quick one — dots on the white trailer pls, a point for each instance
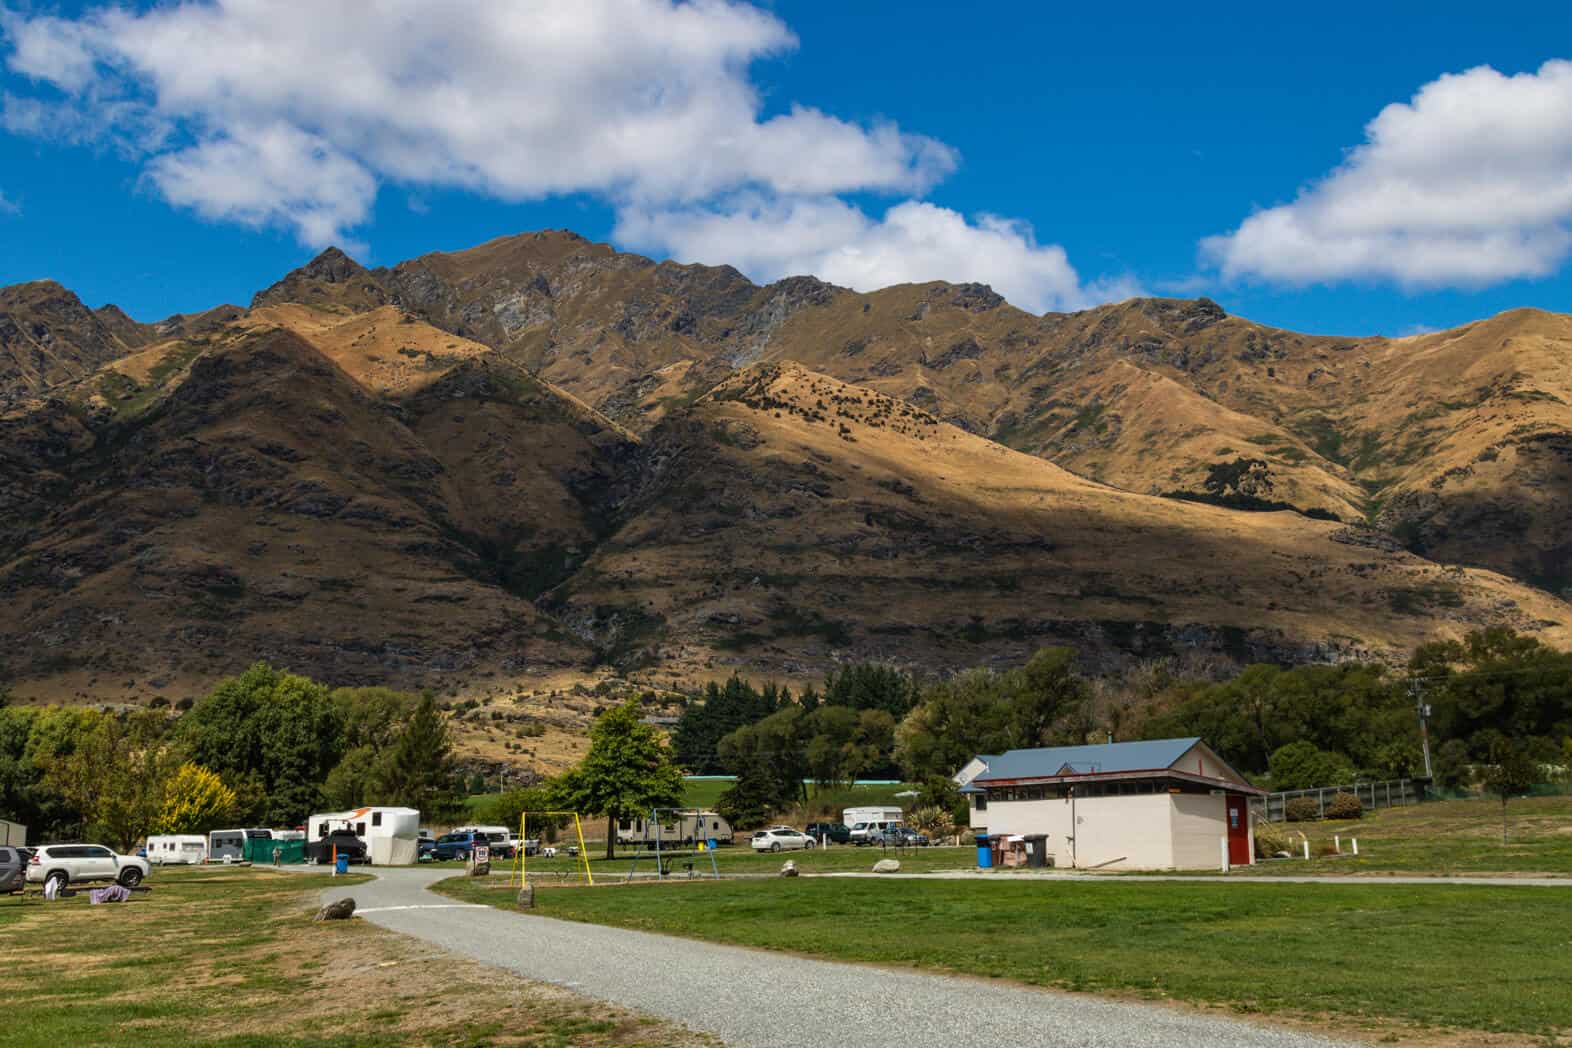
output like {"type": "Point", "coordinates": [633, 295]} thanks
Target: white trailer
{"type": "Point", "coordinates": [676, 828]}
{"type": "Point", "coordinates": [230, 845]}
{"type": "Point", "coordinates": [177, 849]}
{"type": "Point", "coordinates": [389, 834]}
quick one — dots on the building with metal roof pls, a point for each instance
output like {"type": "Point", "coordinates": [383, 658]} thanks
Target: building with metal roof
{"type": "Point", "coordinates": [1153, 804]}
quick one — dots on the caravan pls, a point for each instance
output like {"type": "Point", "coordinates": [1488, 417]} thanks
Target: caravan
{"type": "Point", "coordinates": [389, 834]}
{"type": "Point", "coordinates": [230, 845]}
{"type": "Point", "coordinates": [684, 827]}
{"type": "Point", "coordinates": [177, 849]}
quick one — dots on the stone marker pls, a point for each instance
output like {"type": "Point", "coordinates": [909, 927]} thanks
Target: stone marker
{"type": "Point", "coordinates": [526, 897]}
{"type": "Point", "coordinates": [789, 869]}
{"type": "Point", "coordinates": [336, 911]}
{"type": "Point", "coordinates": [887, 866]}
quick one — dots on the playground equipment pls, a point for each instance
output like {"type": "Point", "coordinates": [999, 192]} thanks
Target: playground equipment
{"type": "Point", "coordinates": [520, 867]}
{"type": "Point", "coordinates": [663, 856]}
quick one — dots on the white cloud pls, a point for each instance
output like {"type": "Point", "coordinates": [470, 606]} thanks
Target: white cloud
{"type": "Point", "coordinates": [638, 99]}
{"type": "Point", "coordinates": [245, 116]}
{"type": "Point", "coordinates": [1467, 184]}
{"type": "Point", "coordinates": [768, 238]}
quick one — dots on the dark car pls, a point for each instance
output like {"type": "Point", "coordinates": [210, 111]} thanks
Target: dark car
{"type": "Point", "coordinates": [837, 832]}
{"type": "Point", "coordinates": [903, 837]}
{"type": "Point", "coordinates": [321, 850]}
{"type": "Point", "coordinates": [424, 847]}
{"type": "Point", "coordinates": [458, 846]}
{"type": "Point", "coordinates": [13, 868]}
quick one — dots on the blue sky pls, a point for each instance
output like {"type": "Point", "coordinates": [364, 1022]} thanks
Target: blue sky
{"type": "Point", "coordinates": [1064, 155]}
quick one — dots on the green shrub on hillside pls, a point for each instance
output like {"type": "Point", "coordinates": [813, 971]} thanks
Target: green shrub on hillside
{"type": "Point", "coordinates": [1301, 809]}
{"type": "Point", "coordinates": [1344, 806]}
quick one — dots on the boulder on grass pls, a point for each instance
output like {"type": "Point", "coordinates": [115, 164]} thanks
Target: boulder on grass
{"type": "Point", "coordinates": [789, 869]}
{"type": "Point", "coordinates": [887, 866]}
{"type": "Point", "coordinates": [336, 911]}
{"type": "Point", "coordinates": [526, 897]}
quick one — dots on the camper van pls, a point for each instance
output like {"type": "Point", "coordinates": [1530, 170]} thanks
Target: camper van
{"type": "Point", "coordinates": [676, 828]}
{"type": "Point", "coordinates": [868, 823]}
{"type": "Point", "coordinates": [230, 845]}
{"type": "Point", "coordinates": [389, 834]}
{"type": "Point", "coordinates": [177, 849]}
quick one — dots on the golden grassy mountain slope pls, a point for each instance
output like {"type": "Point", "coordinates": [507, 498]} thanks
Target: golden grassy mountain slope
{"type": "Point", "coordinates": [1457, 442]}
{"type": "Point", "coordinates": [242, 496]}
{"type": "Point", "coordinates": [48, 337]}
{"type": "Point", "coordinates": [790, 520]}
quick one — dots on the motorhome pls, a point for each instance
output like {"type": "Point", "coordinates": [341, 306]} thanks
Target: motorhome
{"type": "Point", "coordinates": [177, 849]}
{"type": "Point", "coordinates": [230, 845]}
{"type": "Point", "coordinates": [389, 834]}
{"type": "Point", "coordinates": [676, 828]}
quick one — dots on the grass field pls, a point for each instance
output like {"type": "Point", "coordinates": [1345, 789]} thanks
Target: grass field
{"type": "Point", "coordinates": [231, 956]}
{"type": "Point", "coordinates": [1448, 837]}
{"type": "Point", "coordinates": [1372, 959]}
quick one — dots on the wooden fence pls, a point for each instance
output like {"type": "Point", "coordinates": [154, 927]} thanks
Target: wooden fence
{"type": "Point", "coordinates": [1394, 794]}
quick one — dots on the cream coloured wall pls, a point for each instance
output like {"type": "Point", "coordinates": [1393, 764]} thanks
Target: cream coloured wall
{"type": "Point", "coordinates": [1199, 825]}
{"type": "Point", "coordinates": [1132, 828]}
{"type": "Point", "coordinates": [1199, 760]}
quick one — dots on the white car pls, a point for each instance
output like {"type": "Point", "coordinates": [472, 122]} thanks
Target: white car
{"type": "Point", "coordinates": [69, 863]}
{"type": "Point", "coordinates": [780, 838]}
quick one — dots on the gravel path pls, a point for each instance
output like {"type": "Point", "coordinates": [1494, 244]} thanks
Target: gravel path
{"type": "Point", "coordinates": [771, 1000]}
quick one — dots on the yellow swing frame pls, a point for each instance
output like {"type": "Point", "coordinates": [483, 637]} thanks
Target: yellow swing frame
{"type": "Point", "coordinates": [520, 868]}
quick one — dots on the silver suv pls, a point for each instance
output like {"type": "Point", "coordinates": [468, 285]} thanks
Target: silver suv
{"type": "Point", "coordinates": [67, 863]}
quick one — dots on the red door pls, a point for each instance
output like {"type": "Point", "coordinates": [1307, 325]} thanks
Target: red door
{"type": "Point", "coordinates": [1238, 830]}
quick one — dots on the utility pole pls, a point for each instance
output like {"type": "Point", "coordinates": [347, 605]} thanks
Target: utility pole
{"type": "Point", "coordinates": [1423, 708]}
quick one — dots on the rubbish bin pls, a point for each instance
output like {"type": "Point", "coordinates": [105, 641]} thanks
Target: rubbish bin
{"type": "Point", "coordinates": [1036, 850]}
{"type": "Point", "coordinates": [984, 852]}
{"type": "Point", "coordinates": [342, 865]}
{"type": "Point", "coordinates": [712, 844]}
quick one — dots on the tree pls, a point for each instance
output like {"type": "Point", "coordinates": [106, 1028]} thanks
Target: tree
{"type": "Point", "coordinates": [1302, 766]}
{"type": "Point", "coordinates": [195, 801]}
{"type": "Point", "coordinates": [724, 709]}
{"type": "Point", "coordinates": [627, 771]}
{"type": "Point", "coordinates": [770, 760]}
{"type": "Point", "coordinates": [504, 809]}
{"type": "Point", "coordinates": [116, 776]}
{"type": "Point", "coordinates": [270, 734]}
{"type": "Point", "coordinates": [871, 686]}
{"type": "Point", "coordinates": [419, 770]}
{"type": "Point", "coordinates": [1511, 771]}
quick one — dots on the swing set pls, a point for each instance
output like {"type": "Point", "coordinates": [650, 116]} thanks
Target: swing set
{"type": "Point", "coordinates": [520, 868]}
{"type": "Point", "coordinates": [687, 836]}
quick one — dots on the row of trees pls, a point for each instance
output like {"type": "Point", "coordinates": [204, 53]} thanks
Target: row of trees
{"type": "Point", "coordinates": [264, 748]}
{"type": "Point", "coordinates": [1497, 699]}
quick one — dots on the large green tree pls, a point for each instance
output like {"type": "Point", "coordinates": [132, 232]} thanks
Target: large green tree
{"type": "Point", "coordinates": [116, 776]}
{"type": "Point", "coordinates": [723, 709]}
{"type": "Point", "coordinates": [418, 770]}
{"type": "Point", "coordinates": [627, 771]}
{"type": "Point", "coordinates": [273, 736]}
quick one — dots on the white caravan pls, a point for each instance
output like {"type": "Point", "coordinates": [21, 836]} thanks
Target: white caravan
{"type": "Point", "coordinates": [389, 834]}
{"type": "Point", "coordinates": [676, 828]}
{"type": "Point", "coordinates": [177, 849]}
{"type": "Point", "coordinates": [230, 845]}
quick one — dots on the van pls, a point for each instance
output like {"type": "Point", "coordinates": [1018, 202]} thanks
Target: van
{"type": "Point", "coordinates": [869, 823]}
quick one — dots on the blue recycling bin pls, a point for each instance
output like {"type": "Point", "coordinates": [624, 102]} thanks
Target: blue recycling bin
{"type": "Point", "coordinates": [342, 865]}
{"type": "Point", "coordinates": [984, 853]}
{"type": "Point", "coordinates": [712, 844]}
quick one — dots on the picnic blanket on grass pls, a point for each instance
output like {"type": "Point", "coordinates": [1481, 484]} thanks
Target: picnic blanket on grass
{"type": "Point", "coordinates": [113, 893]}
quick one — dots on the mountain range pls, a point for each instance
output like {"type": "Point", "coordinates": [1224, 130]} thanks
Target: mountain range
{"type": "Point", "coordinates": [541, 456]}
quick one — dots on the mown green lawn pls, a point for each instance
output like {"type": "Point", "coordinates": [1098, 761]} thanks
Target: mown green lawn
{"type": "Point", "coordinates": [739, 858]}
{"type": "Point", "coordinates": [230, 956]}
{"type": "Point", "coordinates": [1444, 838]}
{"type": "Point", "coordinates": [1376, 956]}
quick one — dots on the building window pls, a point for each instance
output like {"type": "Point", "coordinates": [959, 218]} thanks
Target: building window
{"type": "Point", "coordinates": [376, 818]}
{"type": "Point", "coordinates": [980, 801]}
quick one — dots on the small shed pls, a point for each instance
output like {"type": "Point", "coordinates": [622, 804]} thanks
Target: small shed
{"type": "Point", "coordinates": [1155, 804]}
{"type": "Point", "coordinates": [13, 833]}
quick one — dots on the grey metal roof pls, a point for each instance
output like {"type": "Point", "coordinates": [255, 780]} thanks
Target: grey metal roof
{"type": "Point", "coordinates": [1102, 758]}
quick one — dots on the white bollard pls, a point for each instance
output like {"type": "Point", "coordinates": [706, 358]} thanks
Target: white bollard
{"type": "Point", "coordinates": [1337, 843]}
{"type": "Point", "coordinates": [1223, 843]}
{"type": "Point", "coordinates": [1307, 851]}
{"type": "Point", "coordinates": [1356, 844]}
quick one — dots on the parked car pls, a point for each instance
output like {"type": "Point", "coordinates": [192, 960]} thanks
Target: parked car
{"type": "Point", "coordinates": [321, 850]}
{"type": "Point", "coordinates": [13, 869]}
{"type": "Point", "coordinates": [459, 846]}
{"type": "Point", "coordinates": [425, 849]}
{"type": "Point", "coordinates": [72, 863]}
{"type": "Point", "coordinates": [780, 838]}
{"type": "Point", "coordinates": [837, 832]}
{"type": "Point", "coordinates": [903, 837]}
